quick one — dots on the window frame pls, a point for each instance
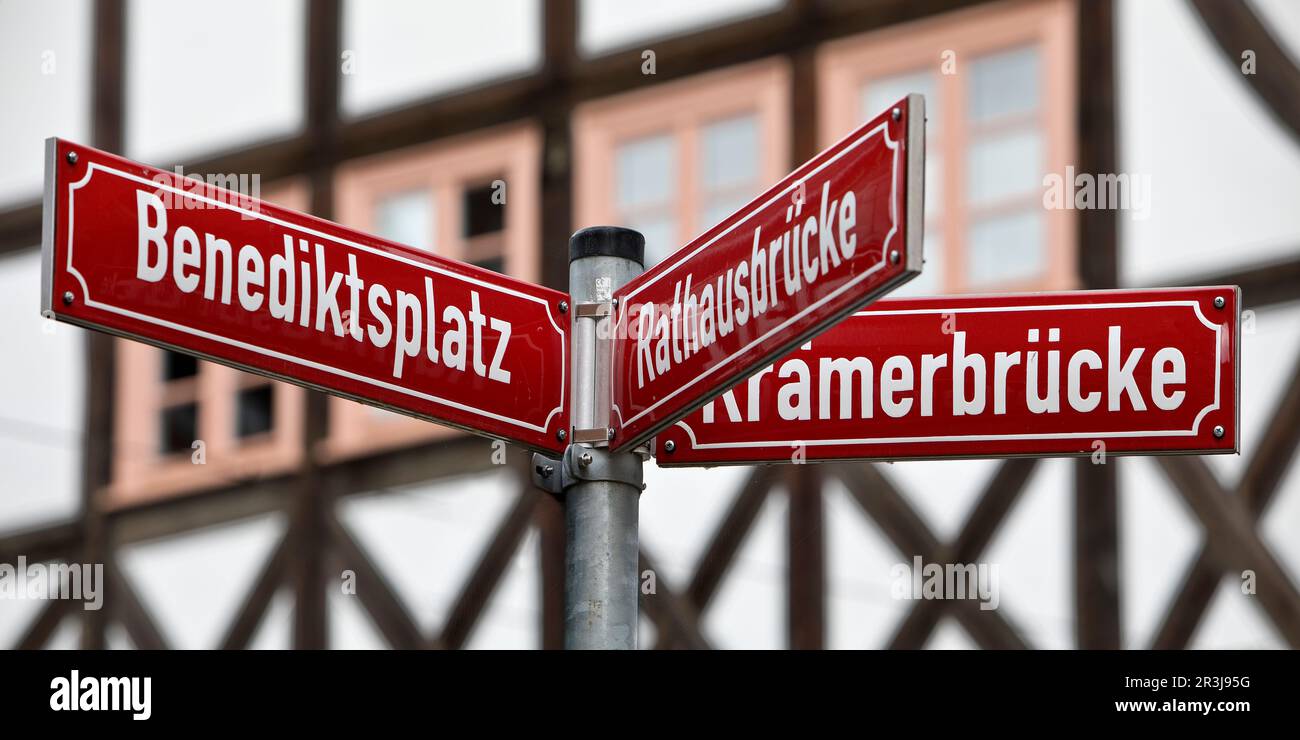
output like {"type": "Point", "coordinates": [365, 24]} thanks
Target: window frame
{"type": "Point", "coordinates": [680, 109]}
{"type": "Point", "coordinates": [847, 66]}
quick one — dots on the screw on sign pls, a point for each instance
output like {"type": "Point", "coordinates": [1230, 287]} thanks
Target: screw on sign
{"type": "Point", "coordinates": [142, 253]}
{"type": "Point", "coordinates": [837, 233]}
{"type": "Point", "coordinates": [1142, 372]}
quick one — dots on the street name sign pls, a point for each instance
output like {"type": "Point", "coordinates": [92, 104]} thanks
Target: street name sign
{"type": "Point", "coordinates": [146, 254]}
{"type": "Point", "coordinates": [1046, 374]}
{"type": "Point", "coordinates": [838, 232]}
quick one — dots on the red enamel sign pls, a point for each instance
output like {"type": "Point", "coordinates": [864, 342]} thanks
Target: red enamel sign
{"type": "Point", "coordinates": [833, 235]}
{"type": "Point", "coordinates": [142, 253]}
{"type": "Point", "coordinates": [1150, 371]}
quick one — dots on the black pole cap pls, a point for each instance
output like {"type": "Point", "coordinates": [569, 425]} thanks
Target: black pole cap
{"type": "Point", "coordinates": [607, 241]}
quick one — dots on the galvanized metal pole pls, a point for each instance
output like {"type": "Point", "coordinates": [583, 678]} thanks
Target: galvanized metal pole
{"type": "Point", "coordinates": [601, 505]}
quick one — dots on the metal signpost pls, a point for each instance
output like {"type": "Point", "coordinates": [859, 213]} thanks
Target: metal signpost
{"type": "Point", "coordinates": [601, 488]}
{"type": "Point", "coordinates": [588, 379]}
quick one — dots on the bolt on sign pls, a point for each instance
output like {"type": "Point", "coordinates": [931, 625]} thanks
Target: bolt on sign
{"type": "Point", "coordinates": [838, 232]}
{"type": "Point", "coordinates": [1128, 371]}
{"type": "Point", "coordinates": [141, 253]}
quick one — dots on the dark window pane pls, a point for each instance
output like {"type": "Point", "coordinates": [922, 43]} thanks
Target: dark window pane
{"type": "Point", "coordinates": [177, 366]}
{"type": "Point", "coordinates": [485, 209]}
{"type": "Point", "coordinates": [254, 413]}
{"type": "Point", "coordinates": [179, 428]}
{"type": "Point", "coordinates": [496, 264]}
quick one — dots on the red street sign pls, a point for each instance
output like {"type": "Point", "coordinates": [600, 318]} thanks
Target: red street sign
{"type": "Point", "coordinates": [1127, 371]}
{"type": "Point", "coordinates": [144, 254]}
{"type": "Point", "coordinates": [838, 232]}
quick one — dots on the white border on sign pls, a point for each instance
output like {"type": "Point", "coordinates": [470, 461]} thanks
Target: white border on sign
{"type": "Point", "coordinates": [883, 128]}
{"type": "Point", "coordinates": [1196, 424]}
{"type": "Point", "coordinates": [93, 166]}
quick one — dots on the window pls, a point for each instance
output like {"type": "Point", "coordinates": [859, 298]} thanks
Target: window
{"type": "Point", "coordinates": [406, 218]}
{"type": "Point", "coordinates": [1004, 166]}
{"type": "Point", "coordinates": [729, 176]}
{"type": "Point", "coordinates": [484, 218]}
{"type": "Point", "coordinates": [647, 178]}
{"type": "Point", "coordinates": [178, 418]}
{"type": "Point", "coordinates": [997, 81]}
{"type": "Point", "coordinates": [254, 411]}
{"type": "Point", "coordinates": [473, 199]}
{"type": "Point", "coordinates": [483, 211]}
{"type": "Point", "coordinates": [177, 366]}
{"type": "Point", "coordinates": [649, 190]}
{"type": "Point", "coordinates": [673, 161]}
{"type": "Point", "coordinates": [179, 428]}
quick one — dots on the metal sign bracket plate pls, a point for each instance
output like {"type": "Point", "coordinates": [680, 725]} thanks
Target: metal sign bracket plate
{"type": "Point", "coordinates": [584, 465]}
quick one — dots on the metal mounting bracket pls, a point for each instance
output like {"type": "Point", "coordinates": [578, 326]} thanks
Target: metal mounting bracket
{"type": "Point", "coordinates": [586, 464]}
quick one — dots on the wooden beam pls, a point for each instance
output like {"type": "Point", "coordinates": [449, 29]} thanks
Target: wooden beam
{"type": "Point", "coordinates": [253, 609]}
{"type": "Point", "coordinates": [806, 573]}
{"type": "Point", "coordinates": [1275, 80]}
{"type": "Point", "coordinates": [729, 536]}
{"type": "Point", "coordinates": [38, 633]}
{"type": "Point", "coordinates": [1256, 487]}
{"type": "Point", "coordinates": [20, 228]}
{"type": "Point", "coordinates": [96, 550]}
{"type": "Point", "coordinates": [1262, 284]}
{"type": "Point", "coordinates": [889, 510]}
{"type": "Point", "coordinates": [45, 542]}
{"type": "Point", "coordinates": [995, 502]}
{"type": "Point", "coordinates": [803, 113]}
{"type": "Point", "coordinates": [722, 548]}
{"type": "Point", "coordinates": [124, 604]}
{"type": "Point", "coordinates": [310, 510]}
{"type": "Point", "coordinates": [1096, 519]}
{"type": "Point", "coordinates": [555, 113]}
{"type": "Point", "coordinates": [407, 466]}
{"type": "Point", "coordinates": [321, 100]}
{"type": "Point", "coordinates": [1096, 555]}
{"type": "Point", "coordinates": [249, 497]}
{"type": "Point", "coordinates": [1233, 542]}
{"type": "Point", "coordinates": [1098, 148]}
{"type": "Point", "coordinates": [377, 596]}
{"type": "Point", "coordinates": [185, 511]}
{"type": "Point", "coordinates": [477, 591]}
{"type": "Point", "coordinates": [549, 520]}
{"type": "Point", "coordinates": [806, 539]}
{"type": "Point", "coordinates": [311, 505]}
{"type": "Point", "coordinates": [108, 100]}
{"type": "Point", "coordinates": [674, 619]}
{"type": "Point", "coordinates": [107, 128]}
